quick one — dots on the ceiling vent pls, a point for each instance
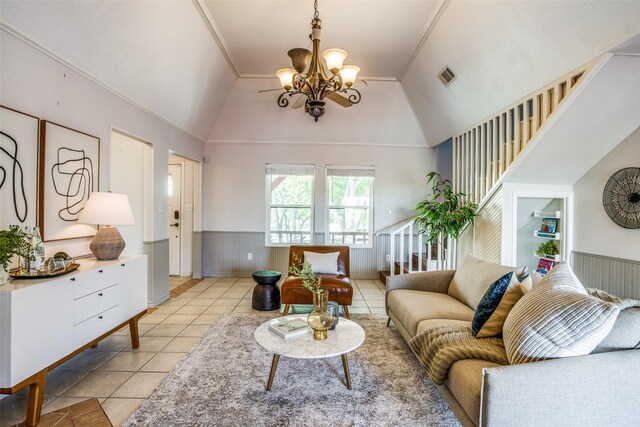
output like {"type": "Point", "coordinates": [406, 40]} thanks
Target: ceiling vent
{"type": "Point", "coordinates": [446, 76]}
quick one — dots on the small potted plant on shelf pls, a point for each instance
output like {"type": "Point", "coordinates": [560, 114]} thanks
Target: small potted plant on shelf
{"type": "Point", "coordinates": [320, 319]}
{"type": "Point", "coordinates": [444, 213]}
{"type": "Point", "coordinates": [548, 249]}
{"type": "Point", "coordinates": [12, 242]}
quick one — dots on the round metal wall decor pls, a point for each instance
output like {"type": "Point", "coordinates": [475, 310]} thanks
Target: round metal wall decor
{"type": "Point", "coordinates": [621, 197]}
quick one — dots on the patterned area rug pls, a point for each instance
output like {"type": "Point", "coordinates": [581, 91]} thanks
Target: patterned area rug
{"type": "Point", "coordinates": [221, 382]}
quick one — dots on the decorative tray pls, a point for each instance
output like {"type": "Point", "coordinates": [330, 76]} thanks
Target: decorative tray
{"type": "Point", "coordinates": [43, 275]}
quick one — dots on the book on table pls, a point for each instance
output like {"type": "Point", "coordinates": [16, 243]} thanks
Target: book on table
{"type": "Point", "coordinates": [289, 328]}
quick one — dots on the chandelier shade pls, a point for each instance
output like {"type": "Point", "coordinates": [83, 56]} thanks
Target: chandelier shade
{"type": "Point", "coordinates": [310, 80]}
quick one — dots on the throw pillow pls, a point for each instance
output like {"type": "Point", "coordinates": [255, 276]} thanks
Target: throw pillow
{"type": "Point", "coordinates": [473, 278]}
{"type": "Point", "coordinates": [556, 320]}
{"type": "Point", "coordinates": [322, 263]}
{"type": "Point", "coordinates": [495, 305]}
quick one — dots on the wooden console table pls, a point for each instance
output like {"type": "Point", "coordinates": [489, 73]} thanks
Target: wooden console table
{"type": "Point", "coordinates": [44, 323]}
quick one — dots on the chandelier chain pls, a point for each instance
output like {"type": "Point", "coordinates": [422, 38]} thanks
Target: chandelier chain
{"type": "Point", "coordinates": [316, 15]}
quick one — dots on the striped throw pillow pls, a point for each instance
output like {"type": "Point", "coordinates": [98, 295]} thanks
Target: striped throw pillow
{"type": "Point", "coordinates": [556, 319]}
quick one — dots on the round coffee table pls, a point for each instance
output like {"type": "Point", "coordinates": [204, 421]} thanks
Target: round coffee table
{"type": "Point", "coordinates": [347, 336]}
{"type": "Point", "coordinates": [266, 295]}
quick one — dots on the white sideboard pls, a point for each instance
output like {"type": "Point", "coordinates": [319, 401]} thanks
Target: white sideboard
{"type": "Point", "coordinates": [44, 322]}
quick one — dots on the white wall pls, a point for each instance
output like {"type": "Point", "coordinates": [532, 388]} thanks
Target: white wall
{"type": "Point", "coordinates": [234, 191]}
{"type": "Point", "coordinates": [383, 117]}
{"type": "Point", "coordinates": [594, 232]}
{"type": "Point", "coordinates": [35, 83]}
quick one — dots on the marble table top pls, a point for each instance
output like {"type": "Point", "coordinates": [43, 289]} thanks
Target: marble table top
{"type": "Point", "coordinates": [347, 336]}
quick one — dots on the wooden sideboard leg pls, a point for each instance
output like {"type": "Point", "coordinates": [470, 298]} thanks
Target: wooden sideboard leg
{"type": "Point", "coordinates": [133, 328]}
{"type": "Point", "coordinates": [36, 394]}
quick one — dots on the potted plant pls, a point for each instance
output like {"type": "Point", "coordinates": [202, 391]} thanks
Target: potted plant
{"type": "Point", "coordinates": [12, 242]}
{"type": "Point", "coordinates": [548, 249]}
{"type": "Point", "coordinates": [444, 213]}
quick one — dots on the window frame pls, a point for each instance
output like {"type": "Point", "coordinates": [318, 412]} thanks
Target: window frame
{"type": "Point", "coordinates": [329, 206]}
{"type": "Point", "coordinates": [269, 206]}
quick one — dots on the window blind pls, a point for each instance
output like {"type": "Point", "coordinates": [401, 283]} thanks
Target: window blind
{"type": "Point", "coordinates": [351, 171]}
{"type": "Point", "coordinates": [301, 170]}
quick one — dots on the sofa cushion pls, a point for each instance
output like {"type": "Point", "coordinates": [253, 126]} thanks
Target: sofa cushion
{"type": "Point", "coordinates": [496, 304]}
{"type": "Point", "coordinates": [473, 278]}
{"type": "Point", "coordinates": [625, 333]}
{"type": "Point", "coordinates": [434, 323]}
{"type": "Point", "coordinates": [322, 262]}
{"type": "Point", "coordinates": [464, 381]}
{"type": "Point", "coordinates": [556, 320]}
{"type": "Point", "coordinates": [412, 307]}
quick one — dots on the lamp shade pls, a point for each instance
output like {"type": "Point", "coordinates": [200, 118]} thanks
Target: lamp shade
{"type": "Point", "coordinates": [107, 209]}
{"type": "Point", "coordinates": [286, 77]}
{"type": "Point", "coordinates": [334, 58]}
{"type": "Point", "coordinates": [349, 73]}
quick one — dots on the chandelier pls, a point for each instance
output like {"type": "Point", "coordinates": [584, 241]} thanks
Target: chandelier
{"type": "Point", "coordinates": [316, 84]}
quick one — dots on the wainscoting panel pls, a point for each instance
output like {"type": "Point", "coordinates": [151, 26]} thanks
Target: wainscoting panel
{"type": "Point", "coordinates": [157, 253]}
{"type": "Point", "coordinates": [487, 242]}
{"type": "Point", "coordinates": [617, 276]}
{"type": "Point", "coordinates": [197, 255]}
{"type": "Point", "coordinates": [225, 253]}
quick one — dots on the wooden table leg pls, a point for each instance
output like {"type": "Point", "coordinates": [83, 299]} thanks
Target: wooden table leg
{"type": "Point", "coordinates": [133, 329]}
{"type": "Point", "coordinates": [34, 404]}
{"type": "Point", "coordinates": [274, 366]}
{"type": "Point", "coordinates": [347, 374]}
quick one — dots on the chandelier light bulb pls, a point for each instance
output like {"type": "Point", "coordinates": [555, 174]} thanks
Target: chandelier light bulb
{"type": "Point", "coordinates": [349, 73]}
{"type": "Point", "coordinates": [334, 58]}
{"type": "Point", "coordinates": [286, 77]}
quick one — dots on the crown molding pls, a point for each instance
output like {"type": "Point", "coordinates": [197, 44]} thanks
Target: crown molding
{"type": "Point", "coordinates": [58, 58]}
{"type": "Point", "coordinates": [426, 32]}
{"type": "Point", "coordinates": [211, 25]}
{"type": "Point", "coordinates": [357, 144]}
{"type": "Point", "coordinates": [273, 77]}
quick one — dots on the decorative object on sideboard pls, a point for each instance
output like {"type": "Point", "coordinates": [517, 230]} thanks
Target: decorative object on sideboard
{"type": "Point", "coordinates": [107, 209]}
{"type": "Point", "coordinates": [316, 84]}
{"type": "Point", "coordinates": [69, 172]}
{"type": "Point", "coordinates": [18, 168]}
{"type": "Point", "coordinates": [13, 242]}
{"type": "Point", "coordinates": [621, 198]}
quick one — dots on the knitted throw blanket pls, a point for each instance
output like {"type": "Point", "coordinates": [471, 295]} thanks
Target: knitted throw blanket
{"type": "Point", "coordinates": [440, 347]}
{"type": "Point", "coordinates": [623, 303]}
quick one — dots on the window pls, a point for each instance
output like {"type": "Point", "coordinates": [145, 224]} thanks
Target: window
{"type": "Point", "coordinates": [289, 191]}
{"type": "Point", "coordinates": [350, 205]}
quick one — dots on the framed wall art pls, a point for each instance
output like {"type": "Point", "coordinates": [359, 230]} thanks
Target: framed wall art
{"type": "Point", "coordinates": [18, 168]}
{"type": "Point", "coordinates": [69, 172]}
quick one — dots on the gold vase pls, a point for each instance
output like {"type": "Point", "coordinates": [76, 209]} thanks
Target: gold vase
{"type": "Point", "coordinates": [320, 320]}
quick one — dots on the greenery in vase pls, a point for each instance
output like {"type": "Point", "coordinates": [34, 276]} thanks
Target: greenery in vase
{"type": "Point", "coordinates": [13, 242]}
{"type": "Point", "coordinates": [444, 213]}
{"type": "Point", "coordinates": [305, 272]}
{"type": "Point", "coordinates": [548, 249]}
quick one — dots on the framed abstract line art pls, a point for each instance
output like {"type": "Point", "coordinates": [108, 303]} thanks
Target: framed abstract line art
{"type": "Point", "coordinates": [69, 172]}
{"type": "Point", "coordinates": [18, 168]}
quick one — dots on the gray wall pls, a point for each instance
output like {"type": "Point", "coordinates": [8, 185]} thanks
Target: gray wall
{"type": "Point", "coordinates": [158, 271]}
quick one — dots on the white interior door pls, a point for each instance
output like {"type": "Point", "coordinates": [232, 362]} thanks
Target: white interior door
{"type": "Point", "coordinates": [174, 216]}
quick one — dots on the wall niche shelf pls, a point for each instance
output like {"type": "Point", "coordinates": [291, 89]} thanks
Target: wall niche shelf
{"type": "Point", "coordinates": [543, 214]}
{"type": "Point", "coordinates": [543, 235]}
{"type": "Point", "coordinates": [554, 258]}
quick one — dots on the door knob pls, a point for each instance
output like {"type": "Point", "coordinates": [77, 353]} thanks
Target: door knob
{"type": "Point", "coordinates": [175, 224]}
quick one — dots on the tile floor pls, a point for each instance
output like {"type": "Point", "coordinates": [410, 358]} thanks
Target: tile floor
{"type": "Point", "coordinates": [121, 377]}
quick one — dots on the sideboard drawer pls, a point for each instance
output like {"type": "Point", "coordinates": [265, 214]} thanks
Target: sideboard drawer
{"type": "Point", "coordinates": [95, 303]}
{"type": "Point", "coordinates": [94, 280]}
{"type": "Point", "coordinates": [95, 326]}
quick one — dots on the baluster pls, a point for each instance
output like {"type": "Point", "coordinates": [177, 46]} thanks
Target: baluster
{"type": "Point", "coordinates": [392, 251]}
{"type": "Point", "coordinates": [455, 163]}
{"type": "Point", "coordinates": [476, 184]}
{"type": "Point", "coordinates": [509, 139]}
{"type": "Point", "coordinates": [411, 248]}
{"type": "Point", "coordinates": [516, 132]}
{"type": "Point", "coordinates": [483, 160]}
{"type": "Point", "coordinates": [401, 260]}
{"type": "Point", "coordinates": [420, 251]}
{"type": "Point", "coordinates": [526, 137]}
{"type": "Point", "coordinates": [536, 115]}
{"type": "Point", "coordinates": [439, 255]}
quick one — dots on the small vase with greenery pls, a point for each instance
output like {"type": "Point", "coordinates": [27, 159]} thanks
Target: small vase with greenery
{"type": "Point", "coordinates": [444, 213]}
{"type": "Point", "coordinates": [12, 242]}
{"type": "Point", "coordinates": [548, 249]}
{"type": "Point", "coordinates": [320, 319]}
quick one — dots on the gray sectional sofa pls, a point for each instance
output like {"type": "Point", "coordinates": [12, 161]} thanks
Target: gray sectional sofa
{"type": "Point", "coordinates": [600, 389]}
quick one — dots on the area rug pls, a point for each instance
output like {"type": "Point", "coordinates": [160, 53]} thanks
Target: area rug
{"type": "Point", "coordinates": [221, 382]}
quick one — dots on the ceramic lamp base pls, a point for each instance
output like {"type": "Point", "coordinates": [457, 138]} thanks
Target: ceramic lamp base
{"type": "Point", "coordinates": [107, 244]}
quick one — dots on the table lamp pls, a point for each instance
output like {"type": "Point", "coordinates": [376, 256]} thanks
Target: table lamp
{"type": "Point", "coordinates": [107, 209]}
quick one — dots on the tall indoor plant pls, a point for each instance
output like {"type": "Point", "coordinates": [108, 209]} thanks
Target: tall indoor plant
{"type": "Point", "coordinates": [444, 213]}
{"type": "Point", "coordinates": [12, 242]}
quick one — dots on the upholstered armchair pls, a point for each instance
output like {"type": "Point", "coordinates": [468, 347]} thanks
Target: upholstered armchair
{"type": "Point", "coordinates": [338, 285]}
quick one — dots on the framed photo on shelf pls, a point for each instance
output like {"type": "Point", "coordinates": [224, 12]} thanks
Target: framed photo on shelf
{"type": "Point", "coordinates": [69, 172]}
{"type": "Point", "coordinates": [549, 225]}
{"type": "Point", "coordinates": [18, 168]}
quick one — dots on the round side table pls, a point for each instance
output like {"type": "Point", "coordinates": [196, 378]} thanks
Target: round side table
{"type": "Point", "coordinates": [266, 295]}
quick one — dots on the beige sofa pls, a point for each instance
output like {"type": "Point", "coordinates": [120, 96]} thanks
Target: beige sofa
{"type": "Point", "coordinates": [593, 390]}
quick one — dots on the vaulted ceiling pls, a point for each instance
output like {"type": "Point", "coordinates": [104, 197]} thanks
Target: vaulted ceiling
{"type": "Point", "coordinates": [180, 59]}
